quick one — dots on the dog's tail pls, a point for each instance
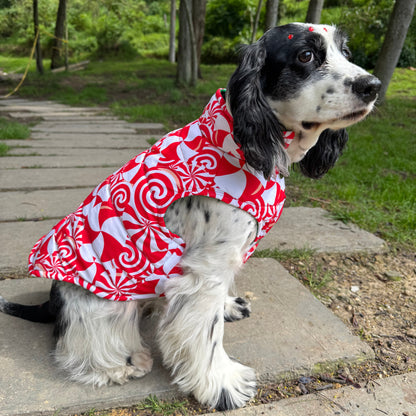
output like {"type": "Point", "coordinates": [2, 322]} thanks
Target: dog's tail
{"type": "Point", "coordinates": [36, 313]}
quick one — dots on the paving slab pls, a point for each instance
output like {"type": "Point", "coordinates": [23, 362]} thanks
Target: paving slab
{"type": "Point", "coordinates": [96, 158]}
{"type": "Point", "coordinates": [35, 205]}
{"type": "Point", "coordinates": [81, 120]}
{"type": "Point", "coordinates": [92, 128]}
{"type": "Point", "coordinates": [13, 101]}
{"type": "Point", "coordinates": [95, 127]}
{"type": "Point", "coordinates": [45, 108]}
{"type": "Point", "coordinates": [288, 333]}
{"type": "Point", "coordinates": [82, 141]}
{"type": "Point", "coordinates": [44, 178]}
{"type": "Point", "coordinates": [119, 153]}
{"type": "Point", "coordinates": [17, 239]}
{"type": "Point", "coordinates": [393, 396]}
{"type": "Point", "coordinates": [53, 114]}
{"type": "Point", "coordinates": [313, 228]}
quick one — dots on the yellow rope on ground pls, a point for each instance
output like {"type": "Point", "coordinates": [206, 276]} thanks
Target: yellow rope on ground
{"type": "Point", "coordinates": [27, 66]}
{"type": "Point", "coordinates": [38, 30]}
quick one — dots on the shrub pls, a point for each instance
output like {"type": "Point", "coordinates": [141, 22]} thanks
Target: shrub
{"type": "Point", "coordinates": [219, 50]}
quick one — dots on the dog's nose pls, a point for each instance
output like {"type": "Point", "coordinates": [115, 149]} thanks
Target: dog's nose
{"type": "Point", "coordinates": [366, 87]}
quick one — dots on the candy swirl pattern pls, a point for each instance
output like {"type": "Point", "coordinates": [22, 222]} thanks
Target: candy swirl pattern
{"type": "Point", "coordinates": [117, 245]}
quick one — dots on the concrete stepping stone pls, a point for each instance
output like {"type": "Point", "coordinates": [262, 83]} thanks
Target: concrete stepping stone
{"type": "Point", "coordinates": [313, 228]}
{"type": "Point", "coordinates": [45, 108]}
{"type": "Point", "coordinates": [17, 241]}
{"type": "Point", "coordinates": [388, 396]}
{"type": "Point", "coordinates": [93, 128]}
{"type": "Point", "coordinates": [31, 179]}
{"type": "Point", "coordinates": [82, 141]}
{"type": "Point", "coordinates": [115, 158]}
{"type": "Point", "coordinates": [52, 115]}
{"type": "Point", "coordinates": [288, 333]}
{"type": "Point", "coordinates": [35, 205]}
{"type": "Point", "coordinates": [73, 153]}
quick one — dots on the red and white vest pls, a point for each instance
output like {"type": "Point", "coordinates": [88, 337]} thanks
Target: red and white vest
{"type": "Point", "coordinates": [117, 244]}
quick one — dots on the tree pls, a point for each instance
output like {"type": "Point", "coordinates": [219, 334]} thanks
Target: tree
{"type": "Point", "coordinates": [256, 21]}
{"type": "Point", "coordinates": [191, 14]}
{"type": "Point", "coordinates": [39, 64]}
{"type": "Point", "coordinates": [57, 59]}
{"type": "Point", "coordinates": [172, 31]}
{"type": "Point", "coordinates": [314, 11]}
{"type": "Point", "coordinates": [272, 7]}
{"type": "Point", "coordinates": [399, 23]}
{"type": "Point", "coordinates": [199, 8]}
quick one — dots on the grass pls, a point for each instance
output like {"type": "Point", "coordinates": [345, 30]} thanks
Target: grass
{"type": "Point", "coordinates": [303, 254]}
{"type": "Point", "coordinates": [4, 148]}
{"type": "Point", "coordinates": [373, 184]}
{"type": "Point", "coordinates": [161, 407]}
{"type": "Point", "coordinates": [13, 130]}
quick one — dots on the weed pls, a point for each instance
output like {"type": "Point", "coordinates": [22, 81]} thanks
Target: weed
{"type": "Point", "coordinates": [317, 280]}
{"type": "Point", "coordinates": [154, 405]}
{"type": "Point", "coordinates": [4, 148]}
{"type": "Point", "coordinates": [284, 255]}
{"type": "Point", "coordinates": [12, 130]}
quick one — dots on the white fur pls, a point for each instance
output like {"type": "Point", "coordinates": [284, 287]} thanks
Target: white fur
{"type": "Point", "coordinates": [100, 343]}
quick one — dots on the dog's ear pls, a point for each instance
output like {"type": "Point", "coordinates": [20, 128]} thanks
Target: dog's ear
{"type": "Point", "coordinates": [323, 156]}
{"type": "Point", "coordinates": [256, 127]}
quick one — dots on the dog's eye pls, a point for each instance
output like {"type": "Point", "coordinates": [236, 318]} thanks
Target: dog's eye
{"type": "Point", "coordinates": [305, 57]}
{"type": "Point", "coordinates": [346, 52]}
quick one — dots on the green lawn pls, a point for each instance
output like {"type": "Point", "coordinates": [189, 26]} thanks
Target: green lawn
{"type": "Point", "coordinates": [373, 184]}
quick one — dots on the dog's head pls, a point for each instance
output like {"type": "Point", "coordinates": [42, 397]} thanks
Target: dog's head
{"type": "Point", "coordinates": [298, 77]}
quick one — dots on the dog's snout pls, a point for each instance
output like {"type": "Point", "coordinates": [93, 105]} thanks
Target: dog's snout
{"type": "Point", "coordinates": [366, 88]}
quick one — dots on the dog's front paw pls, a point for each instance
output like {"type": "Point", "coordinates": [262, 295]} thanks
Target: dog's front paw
{"type": "Point", "coordinates": [236, 309]}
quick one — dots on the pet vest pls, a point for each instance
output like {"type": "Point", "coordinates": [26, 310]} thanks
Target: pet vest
{"type": "Point", "coordinates": [117, 244]}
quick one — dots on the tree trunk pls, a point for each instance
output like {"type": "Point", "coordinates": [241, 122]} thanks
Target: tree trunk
{"type": "Point", "coordinates": [187, 72]}
{"type": "Point", "coordinates": [57, 58]}
{"type": "Point", "coordinates": [39, 64]}
{"type": "Point", "coordinates": [172, 31]}
{"type": "Point", "coordinates": [399, 23]}
{"type": "Point", "coordinates": [314, 11]}
{"type": "Point", "coordinates": [272, 7]}
{"type": "Point", "coordinates": [189, 38]}
{"type": "Point", "coordinates": [256, 21]}
{"type": "Point", "coordinates": [198, 19]}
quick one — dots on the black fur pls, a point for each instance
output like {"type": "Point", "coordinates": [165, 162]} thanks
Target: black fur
{"type": "Point", "coordinates": [256, 128]}
{"type": "Point", "coordinates": [323, 156]}
{"type": "Point", "coordinates": [270, 68]}
{"type": "Point", "coordinates": [45, 313]}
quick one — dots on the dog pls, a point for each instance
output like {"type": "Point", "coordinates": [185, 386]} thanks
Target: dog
{"type": "Point", "coordinates": [179, 223]}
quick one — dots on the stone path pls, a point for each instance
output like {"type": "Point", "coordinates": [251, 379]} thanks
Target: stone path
{"type": "Point", "coordinates": [70, 151]}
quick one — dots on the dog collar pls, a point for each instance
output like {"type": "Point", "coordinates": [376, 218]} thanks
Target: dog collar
{"type": "Point", "coordinates": [288, 136]}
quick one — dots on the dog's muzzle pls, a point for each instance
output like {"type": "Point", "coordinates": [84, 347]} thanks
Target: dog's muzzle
{"type": "Point", "coordinates": [366, 88]}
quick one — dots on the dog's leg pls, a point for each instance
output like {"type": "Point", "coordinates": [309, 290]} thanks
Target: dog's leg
{"type": "Point", "coordinates": [191, 330]}
{"type": "Point", "coordinates": [98, 341]}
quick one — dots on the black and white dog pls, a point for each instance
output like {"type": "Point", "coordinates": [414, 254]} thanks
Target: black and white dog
{"type": "Point", "coordinates": [296, 78]}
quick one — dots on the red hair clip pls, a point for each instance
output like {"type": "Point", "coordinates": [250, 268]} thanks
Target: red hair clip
{"type": "Point", "coordinates": [311, 29]}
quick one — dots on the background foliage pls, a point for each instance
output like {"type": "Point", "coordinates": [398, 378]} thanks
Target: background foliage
{"type": "Point", "coordinates": [130, 28]}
